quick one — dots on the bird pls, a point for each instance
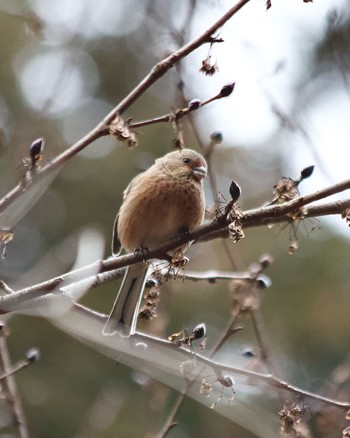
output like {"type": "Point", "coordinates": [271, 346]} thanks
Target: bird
{"type": "Point", "coordinates": [158, 204]}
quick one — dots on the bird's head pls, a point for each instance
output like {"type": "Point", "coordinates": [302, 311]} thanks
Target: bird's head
{"type": "Point", "coordinates": [186, 163]}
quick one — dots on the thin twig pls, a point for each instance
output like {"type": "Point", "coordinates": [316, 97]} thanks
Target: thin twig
{"type": "Point", "coordinates": [170, 419]}
{"type": "Point", "coordinates": [103, 127]}
{"type": "Point", "coordinates": [260, 333]}
{"type": "Point", "coordinates": [220, 368]}
{"type": "Point", "coordinates": [165, 346]}
{"type": "Point", "coordinates": [178, 114]}
{"type": "Point", "coordinates": [10, 390]}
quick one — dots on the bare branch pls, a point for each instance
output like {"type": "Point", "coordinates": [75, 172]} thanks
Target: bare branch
{"type": "Point", "coordinates": [212, 230]}
{"type": "Point", "coordinates": [103, 128]}
{"type": "Point", "coordinates": [218, 368]}
{"type": "Point", "coordinates": [10, 389]}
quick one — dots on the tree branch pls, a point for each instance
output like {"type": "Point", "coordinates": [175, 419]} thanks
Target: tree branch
{"type": "Point", "coordinates": [212, 230]}
{"type": "Point", "coordinates": [186, 354]}
{"type": "Point", "coordinates": [10, 390]}
{"type": "Point", "coordinates": [103, 128]}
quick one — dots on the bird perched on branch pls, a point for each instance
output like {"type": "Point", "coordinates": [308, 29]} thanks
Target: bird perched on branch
{"type": "Point", "coordinates": [158, 205]}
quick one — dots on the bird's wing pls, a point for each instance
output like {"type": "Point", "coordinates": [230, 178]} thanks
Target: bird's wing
{"type": "Point", "coordinates": [116, 245]}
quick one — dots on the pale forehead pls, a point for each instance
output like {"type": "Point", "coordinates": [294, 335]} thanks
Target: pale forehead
{"type": "Point", "coordinates": [189, 153]}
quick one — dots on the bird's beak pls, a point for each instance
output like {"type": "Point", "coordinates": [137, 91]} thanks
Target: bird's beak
{"type": "Point", "coordinates": [200, 171]}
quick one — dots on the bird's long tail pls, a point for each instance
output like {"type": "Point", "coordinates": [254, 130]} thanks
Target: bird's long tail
{"type": "Point", "coordinates": [123, 316]}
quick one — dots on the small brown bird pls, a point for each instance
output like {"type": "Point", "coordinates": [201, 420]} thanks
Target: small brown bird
{"type": "Point", "coordinates": [158, 205]}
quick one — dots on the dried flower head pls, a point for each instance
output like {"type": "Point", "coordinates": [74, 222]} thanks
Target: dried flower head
{"type": "Point", "coordinates": [120, 130]}
{"type": "Point", "coordinates": [292, 248]}
{"type": "Point", "coordinates": [291, 417]}
{"type": "Point", "coordinates": [208, 67]}
{"type": "Point", "coordinates": [285, 190]}
{"type": "Point", "coordinates": [6, 237]}
{"type": "Point", "coordinates": [346, 432]}
{"type": "Point", "coordinates": [225, 382]}
{"type": "Point", "coordinates": [188, 369]}
{"type": "Point", "coordinates": [347, 415]}
{"type": "Point", "coordinates": [151, 297]}
{"type": "Point", "coordinates": [235, 231]}
{"type": "Point", "coordinates": [206, 388]}
{"type": "Point", "coordinates": [246, 295]}
{"type": "Point", "coordinates": [346, 215]}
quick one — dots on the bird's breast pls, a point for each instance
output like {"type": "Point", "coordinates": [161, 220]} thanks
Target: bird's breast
{"type": "Point", "coordinates": [157, 208]}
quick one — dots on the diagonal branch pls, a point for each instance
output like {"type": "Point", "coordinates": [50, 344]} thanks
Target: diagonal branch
{"type": "Point", "coordinates": [103, 271]}
{"type": "Point", "coordinates": [163, 347]}
{"type": "Point", "coordinates": [102, 128]}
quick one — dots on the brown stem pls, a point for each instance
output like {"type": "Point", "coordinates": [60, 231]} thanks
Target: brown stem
{"type": "Point", "coordinates": [102, 128]}
{"type": "Point", "coordinates": [10, 390]}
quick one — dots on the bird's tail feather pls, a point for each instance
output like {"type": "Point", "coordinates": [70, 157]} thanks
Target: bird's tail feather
{"type": "Point", "coordinates": [123, 316]}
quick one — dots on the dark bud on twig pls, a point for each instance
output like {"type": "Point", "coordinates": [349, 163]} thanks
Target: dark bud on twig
{"type": "Point", "coordinates": [216, 137]}
{"type": "Point", "coordinates": [265, 261]}
{"type": "Point", "coordinates": [181, 85]}
{"type": "Point", "coordinates": [226, 381]}
{"type": "Point", "coordinates": [268, 4]}
{"type": "Point", "coordinates": [306, 173]}
{"type": "Point", "coordinates": [152, 282]}
{"type": "Point", "coordinates": [33, 355]}
{"type": "Point", "coordinates": [248, 353]}
{"type": "Point", "coordinates": [263, 282]}
{"type": "Point", "coordinates": [194, 104]}
{"type": "Point", "coordinates": [199, 332]}
{"type": "Point", "coordinates": [36, 150]}
{"type": "Point", "coordinates": [226, 90]}
{"type": "Point", "coordinates": [235, 191]}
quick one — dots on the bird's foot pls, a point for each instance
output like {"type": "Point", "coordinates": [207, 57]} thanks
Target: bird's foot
{"type": "Point", "coordinates": [142, 251]}
{"type": "Point", "coordinates": [185, 232]}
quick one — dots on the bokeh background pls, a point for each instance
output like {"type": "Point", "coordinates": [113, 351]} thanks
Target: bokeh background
{"type": "Point", "coordinates": [64, 65]}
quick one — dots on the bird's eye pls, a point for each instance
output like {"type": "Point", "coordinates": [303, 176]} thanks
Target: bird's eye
{"type": "Point", "coordinates": [186, 160]}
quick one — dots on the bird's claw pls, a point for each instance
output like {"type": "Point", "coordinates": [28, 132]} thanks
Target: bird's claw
{"type": "Point", "coordinates": [142, 251]}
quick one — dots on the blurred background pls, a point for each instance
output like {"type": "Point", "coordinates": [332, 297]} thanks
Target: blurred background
{"type": "Point", "coordinates": [64, 66]}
